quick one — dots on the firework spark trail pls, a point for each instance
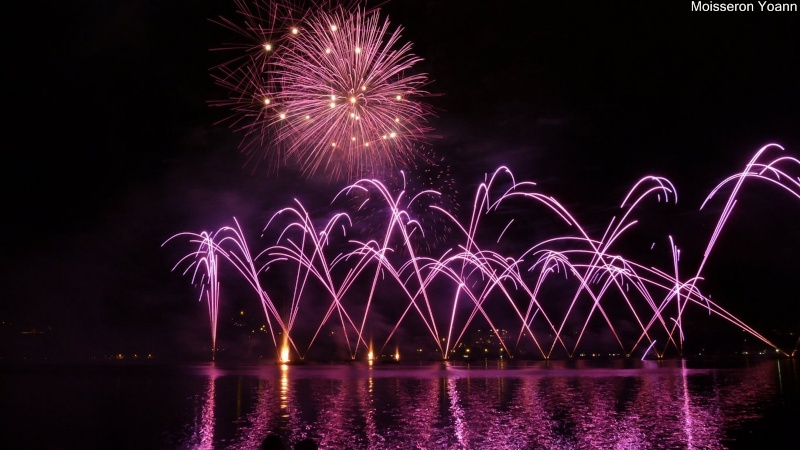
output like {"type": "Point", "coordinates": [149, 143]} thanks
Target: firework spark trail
{"type": "Point", "coordinates": [482, 279]}
{"type": "Point", "coordinates": [264, 26]}
{"type": "Point", "coordinates": [520, 189]}
{"type": "Point", "coordinates": [432, 181]}
{"type": "Point", "coordinates": [483, 265]}
{"type": "Point", "coordinates": [401, 220]}
{"type": "Point", "coordinates": [329, 88]}
{"type": "Point", "coordinates": [483, 204]}
{"type": "Point", "coordinates": [322, 270]}
{"type": "Point", "coordinates": [205, 258]}
{"type": "Point", "coordinates": [213, 245]}
{"type": "Point", "coordinates": [241, 258]}
{"type": "Point", "coordinates": [613, 232]}
{"type": "Point", "coordinates": [754, 169]}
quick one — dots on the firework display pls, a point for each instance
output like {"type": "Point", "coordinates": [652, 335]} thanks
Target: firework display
{"type": "Point", "coordinates": [470, 284]}
{"type": "Point", "coordinates": [328, 89]}
{"type": "Point", "coordinates": [331, 90]}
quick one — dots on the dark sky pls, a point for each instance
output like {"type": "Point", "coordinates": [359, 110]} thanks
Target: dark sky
{"type": "Point", "coordinates": [112, 146]}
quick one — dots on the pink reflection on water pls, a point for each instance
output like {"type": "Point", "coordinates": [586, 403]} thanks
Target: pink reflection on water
{"type": "Point", "coordinates": [203, 433]}
{"type": "Point", "coordinates": [582, 404]}
{"type": "Point", "coordinates": [688, 419]}
{"type": "Point", "coordinates": [461, 431]}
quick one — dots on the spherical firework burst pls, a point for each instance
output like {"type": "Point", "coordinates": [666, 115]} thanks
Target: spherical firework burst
{"type": "Point", "coordinates": [329, 89]}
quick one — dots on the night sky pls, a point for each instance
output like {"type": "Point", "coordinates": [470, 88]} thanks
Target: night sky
{"type": "Point", "coordinates": [112, 147]}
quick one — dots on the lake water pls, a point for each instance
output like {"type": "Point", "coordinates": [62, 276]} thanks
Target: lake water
{"type": "Point", "coordinates": [622, 404]}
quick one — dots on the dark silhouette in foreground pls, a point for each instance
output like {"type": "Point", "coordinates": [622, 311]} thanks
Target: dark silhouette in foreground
{"type": "Point", "coordinates": [272, 442]}
{"type": "Point", "coordinates": [306, 444]}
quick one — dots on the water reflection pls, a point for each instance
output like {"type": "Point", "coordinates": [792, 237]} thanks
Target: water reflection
{"type": "Point", "coordinates": [460, 429]}
{"type": "Point", "coordinates": [547, 405]}
{"type": "Point", "coordinates": [202, 431]}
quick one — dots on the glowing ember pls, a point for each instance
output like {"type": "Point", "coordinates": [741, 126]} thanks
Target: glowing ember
{"type": "Point", "coordinates": [285, 354]}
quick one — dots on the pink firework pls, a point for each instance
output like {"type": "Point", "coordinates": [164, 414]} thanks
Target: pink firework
{"type": "Point", "coordinates": [332, 91]}
{"type": "Point", "coordinates": [547, 295]}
